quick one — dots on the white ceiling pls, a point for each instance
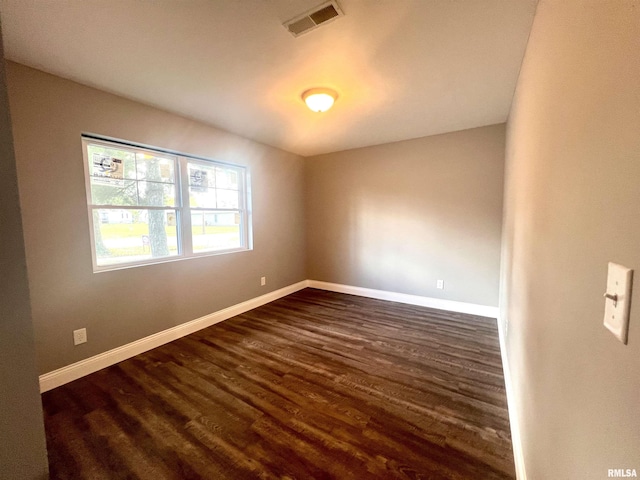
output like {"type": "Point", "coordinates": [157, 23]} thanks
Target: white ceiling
{"type": "Point", "coordinates": [403, 68]}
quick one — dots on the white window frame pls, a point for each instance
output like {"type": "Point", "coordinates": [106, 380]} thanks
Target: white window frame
{"type": "Point", "coordinates": [181, 206]}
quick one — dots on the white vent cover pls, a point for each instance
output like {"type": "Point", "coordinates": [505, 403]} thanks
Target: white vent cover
{"type": "Point", "coordinates": [320, 15]}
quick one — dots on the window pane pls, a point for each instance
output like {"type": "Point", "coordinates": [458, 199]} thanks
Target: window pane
{"type": "Point", "coordinates": [155, 168]}
{"type": "Point", "coordinates": [213, 231]}
{"type": "Point", "coordinates": [108, 191]}
{"type": "Point", "coordinates": [127, 235]}
{"type": "Point", "coordinates": [111, 162]}
{"type": "Point", "coordinates": [202, 197]}
{"type": "Point", "coordinates": [227, 198]}
{"type": "Point", "coordinates": [226, 178]}
{"type": "Point", "coordinates": [213, 198]}
{"type": "Point", "coordinates": [154, 194]}
{"type": "Point", "coordinates": [201, 176]}
{"type": "Point", "coordinates": [213, 186]}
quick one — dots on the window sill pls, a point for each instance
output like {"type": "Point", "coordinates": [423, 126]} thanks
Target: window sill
{"type": "Point", "coordinates": [156, 261]}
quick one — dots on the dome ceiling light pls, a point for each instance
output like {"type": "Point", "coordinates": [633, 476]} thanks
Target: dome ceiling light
{"type": "Point", "coordinates": [319, 99]}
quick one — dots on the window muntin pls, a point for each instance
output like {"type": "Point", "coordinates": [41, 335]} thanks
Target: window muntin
{"type": "Point", "coordinates": [148, 206]}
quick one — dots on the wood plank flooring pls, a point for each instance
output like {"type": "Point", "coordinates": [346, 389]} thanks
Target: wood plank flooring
{"type": "Point", "coordinates": [316, 385]}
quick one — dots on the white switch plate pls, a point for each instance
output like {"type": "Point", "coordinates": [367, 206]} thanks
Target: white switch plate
{"type": "Point", "coordinates": [440, 284]}
{"type": "Point", "coordinates": [263, 281]}
{"type": "Point", "coordinates": [80, 336]}
{"type": "Point", "coordinates": [616, 313]}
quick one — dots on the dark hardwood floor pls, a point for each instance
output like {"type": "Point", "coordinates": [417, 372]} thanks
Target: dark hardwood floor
{"type": "Point", "coordinates": [316, 385]}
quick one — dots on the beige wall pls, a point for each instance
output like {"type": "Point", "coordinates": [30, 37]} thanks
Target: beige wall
{"type": "Point", "coordinates": [400, 216]}
{"type": "Point", "coordinates": [118, 307]}
{"type": "Point", "coordinates": [22, 443]}
{"type": "Point", "coordinates": [572, 204]}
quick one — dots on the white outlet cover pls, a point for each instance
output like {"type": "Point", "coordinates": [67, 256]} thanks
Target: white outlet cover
{"type": "Point", "coordinates": [80, 336]}
{"type": "Point", "coordinates": [616, 314]}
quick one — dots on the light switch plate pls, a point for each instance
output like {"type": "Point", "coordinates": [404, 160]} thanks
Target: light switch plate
{"type": "Point", "coordinates": [616, 312]}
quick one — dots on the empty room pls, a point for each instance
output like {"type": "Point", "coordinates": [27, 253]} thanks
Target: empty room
{"type": "Point", "coordinates": [306, 239]}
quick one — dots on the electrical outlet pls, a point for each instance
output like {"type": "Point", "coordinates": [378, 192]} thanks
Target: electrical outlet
{"type": "Point", "coordinates": [440, 284]}
{"type": "Point", "coordinates": [80, 336]}
{"type": "Point", "coordinates": [263, 281]}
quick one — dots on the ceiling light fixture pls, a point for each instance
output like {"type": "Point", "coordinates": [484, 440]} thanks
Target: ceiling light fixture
{"type": "Point", "coordinates": [319, 99]}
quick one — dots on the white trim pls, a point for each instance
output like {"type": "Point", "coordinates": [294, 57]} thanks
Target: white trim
{"type": "Point", "coordinates": [440, 304]}
{"type": "Point", "coordinates": [90, 365]}
{"type": "Point", "coordinates": [516, 438]}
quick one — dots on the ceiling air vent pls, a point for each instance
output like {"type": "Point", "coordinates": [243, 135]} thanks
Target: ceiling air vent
{"type": "Point", "coordinates": [320, 15]}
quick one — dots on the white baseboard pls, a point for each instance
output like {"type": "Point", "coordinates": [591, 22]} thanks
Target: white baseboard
{"type": "Point", "coordinates": [516, 438]}
{"type": "Point", "coordinates": [90, 365]}
{"type": "Point", "coordinates": [438, 303]}
{"type": "Point", "coordinates": [79, 369]}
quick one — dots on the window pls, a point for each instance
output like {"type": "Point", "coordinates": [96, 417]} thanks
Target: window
{"type": "Point", "coordinates": [148, 206]}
